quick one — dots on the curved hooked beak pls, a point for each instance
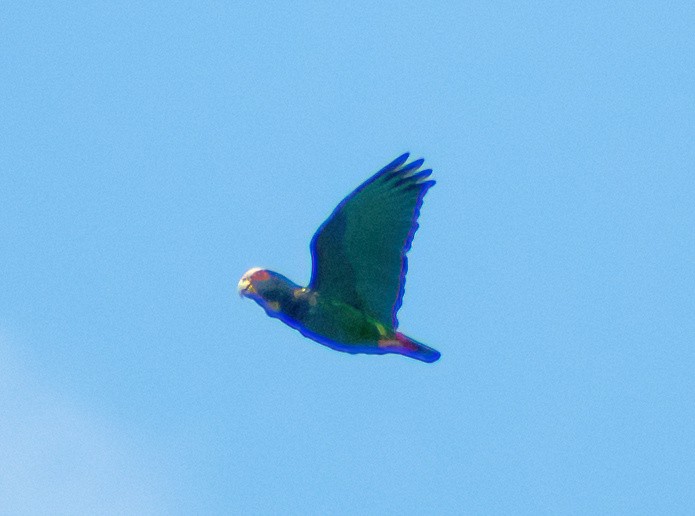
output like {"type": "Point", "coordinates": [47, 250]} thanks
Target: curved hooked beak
{"type": "Point", "coordinates": [244, 287]}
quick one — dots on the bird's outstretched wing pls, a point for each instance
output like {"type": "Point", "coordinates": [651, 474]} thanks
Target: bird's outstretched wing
{"type": "Point", "coordinates": [359, 253]}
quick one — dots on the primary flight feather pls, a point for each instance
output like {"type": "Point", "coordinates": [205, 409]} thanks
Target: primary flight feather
{"type": "Point", "coordinates": [358, 269]}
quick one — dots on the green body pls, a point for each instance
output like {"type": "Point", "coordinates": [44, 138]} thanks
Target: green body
{"type": "Point", "coordinates": [342, 323]}
{"type": "Point", "coordinates": [326, 320]}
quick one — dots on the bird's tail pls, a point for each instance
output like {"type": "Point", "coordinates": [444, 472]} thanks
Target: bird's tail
{"type": "Point", "coordinates": [414, 349]}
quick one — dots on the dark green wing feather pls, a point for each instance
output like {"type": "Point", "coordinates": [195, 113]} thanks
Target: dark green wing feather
{"type": "Point", "coordinates": [359, 253]}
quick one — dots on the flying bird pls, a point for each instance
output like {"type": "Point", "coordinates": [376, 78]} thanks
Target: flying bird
{"type": "Point", "coordinates": [358, 269]}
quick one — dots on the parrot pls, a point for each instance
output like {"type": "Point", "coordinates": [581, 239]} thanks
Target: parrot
{"type": "Point", "coordinates": [358, 269]}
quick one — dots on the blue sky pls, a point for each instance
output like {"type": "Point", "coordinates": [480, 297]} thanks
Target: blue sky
{"type": "Point", "coordinates": [151, 154]}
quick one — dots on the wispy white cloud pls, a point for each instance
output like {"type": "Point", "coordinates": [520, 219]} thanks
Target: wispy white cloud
{"type": "Point", "coordinates": [55, 458]}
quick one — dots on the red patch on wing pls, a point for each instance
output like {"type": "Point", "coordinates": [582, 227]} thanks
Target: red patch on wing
{"type": "Point", "coordinates": [260, 276]}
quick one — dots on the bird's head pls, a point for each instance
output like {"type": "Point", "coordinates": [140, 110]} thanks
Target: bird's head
{"type": "Point", "coordinates": [267, 288]}
{"type": "Point", "coordinates": [264, 286]}
{"type": "Point", "coordinates": [255, 282]}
